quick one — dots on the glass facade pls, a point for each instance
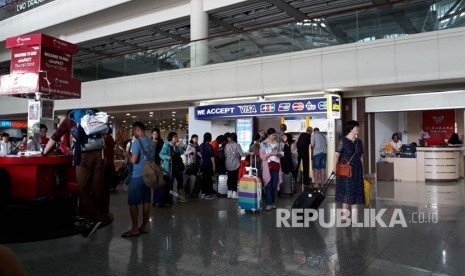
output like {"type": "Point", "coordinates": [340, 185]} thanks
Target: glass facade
{"type": "Point", "coordinates": [357, 26]}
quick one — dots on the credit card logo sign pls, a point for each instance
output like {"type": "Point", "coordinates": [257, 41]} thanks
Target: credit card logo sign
{"type": "Point", "coordinates": [322, 105]}
{"type": "Point", "coordinates": [283, 107]}
{"type": "Point", "coordinates": [267, 107]}
{"type": "Point", "coordinates": [310, 106]}
{"type": "Point", "coordinates": [298, 106]}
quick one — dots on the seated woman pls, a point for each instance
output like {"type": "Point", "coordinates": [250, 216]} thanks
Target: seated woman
{"type": "Point", "coordinates": [396, 143]}
{"type": "Point", "coordinates": [454, 140]}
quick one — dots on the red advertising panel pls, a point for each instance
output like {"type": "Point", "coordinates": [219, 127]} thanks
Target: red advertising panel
{"type": "Point", "coordinates": [54, 86]}
{"type": "Point", "coordinates": [25, 59]}
{"type": "Point", "coordinates": [56, 61]}
{"type": "Point", "coordinates": [41, 39]}
{"type": "Point", "coordinates": [439, 124]}
{"type": "Point", "coordinates": [43, 64]}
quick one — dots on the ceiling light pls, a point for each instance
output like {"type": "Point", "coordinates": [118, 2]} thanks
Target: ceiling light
{"type": "Point", "coordinates": [112, 117]}
{"type": "Point", "coordinates": [129, 114]}
{"type": "Point", "coordinates": [151, 112]}
{"type": "Point", "coordinates": [174, 119]}
{"type": "Point", "coordinates": [124, 121]}
{"type": "Point", "coordinates": [174, 112]}
{"type": "Point", "coordinates": [133, 116]}
{"type": "Point", "coordinates": [150, 115]}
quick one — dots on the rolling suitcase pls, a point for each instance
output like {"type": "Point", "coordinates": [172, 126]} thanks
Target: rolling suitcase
{"type": "Point", "coordinates": [312, 198]}
{"type": "Point", "coordinates": [287, 186]}
{"type": "Point", "coordinates": [222, 188]}
{"type": "Point", "coordinates": [250, 192]}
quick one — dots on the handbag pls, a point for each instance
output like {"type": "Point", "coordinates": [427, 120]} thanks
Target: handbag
{"type": "Point", "coordinates": [345, 170]}
{"type": "Point", "coordinates": [151, 171]}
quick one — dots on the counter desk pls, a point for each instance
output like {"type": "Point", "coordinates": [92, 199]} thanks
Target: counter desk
{"type": "Point", "coordinates": [430, 164]}
{"type": "Point", "coordinates": [37, 177]}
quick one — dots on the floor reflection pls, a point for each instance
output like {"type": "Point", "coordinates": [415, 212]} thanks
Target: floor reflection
{"type": "Point", "coordinates": [205, 237]}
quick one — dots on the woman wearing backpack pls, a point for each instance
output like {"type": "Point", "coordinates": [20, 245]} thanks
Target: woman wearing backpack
{"type": "Point", "coordinates": [233, 152]}
{"type": "Point", "coordinates": [173, 167]}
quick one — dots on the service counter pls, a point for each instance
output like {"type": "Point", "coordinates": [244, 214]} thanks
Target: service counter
{"type": "Point", "coordinates": [37, 177]}
{"type": "Point", "coordinates": [431, 164]}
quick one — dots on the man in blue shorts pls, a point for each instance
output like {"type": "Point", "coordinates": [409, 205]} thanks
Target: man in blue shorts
{"type": "Point", "coordinates": [138, 193]}
{"type": "Point", "coordinates": [319, 146]}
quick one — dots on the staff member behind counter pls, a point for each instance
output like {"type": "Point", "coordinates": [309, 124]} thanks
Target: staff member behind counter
{"type": "Point", "coordinates": [396, 143]}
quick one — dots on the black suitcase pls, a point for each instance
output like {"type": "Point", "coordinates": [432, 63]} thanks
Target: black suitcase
{"type": "Point", "coordinates": [312, 198]}
{"type": "Point", "coordinates": [287, 186]}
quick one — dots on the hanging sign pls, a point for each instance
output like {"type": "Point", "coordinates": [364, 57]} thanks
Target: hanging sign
{"type": "Point", "coordinates": [302, 106]}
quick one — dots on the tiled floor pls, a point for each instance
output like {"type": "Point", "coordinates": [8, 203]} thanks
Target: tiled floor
{"type": "Point", "coordinates": [209, 237]}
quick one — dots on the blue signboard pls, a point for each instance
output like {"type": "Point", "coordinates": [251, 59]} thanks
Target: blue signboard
{"type": "Point", "coordinates": [244, 130]}
{"type": "Point", "coordinates": [303, 106]}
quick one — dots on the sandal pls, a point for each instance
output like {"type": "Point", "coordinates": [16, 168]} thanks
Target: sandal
{"type": "Point", "coordinates": [129, 234]}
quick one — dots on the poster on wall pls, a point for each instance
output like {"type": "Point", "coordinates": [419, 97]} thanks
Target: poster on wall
{"type": "Point", "coordinates": [244, 129]}
{"type": "Point", "coordinates": [439, 126]}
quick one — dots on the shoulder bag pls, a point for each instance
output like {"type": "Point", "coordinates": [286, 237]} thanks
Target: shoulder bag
{"type": "Point", "coordinates": [151, 171]}
{"type": "Point", "coordinates": [345, 170]}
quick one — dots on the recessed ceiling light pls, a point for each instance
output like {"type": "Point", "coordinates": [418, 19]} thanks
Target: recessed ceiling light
{"type": "Point", "coordinates": [112, 117]}
{"type": "Point", "coordinates": [124, 121]}
{"type": "Point", "coordinates": [150, 122]}
{"type": "Point", "coordinates": [150, 115]}
{"type": "Point", "coordinates": [134, 116]}
{"type": "Point", "coordinates": [174, 112]}
{"type": "Point", "coordinates": [151, 112]}
{"type": "Point", "coordinates": [129, 114]}
{"type": "Point", "coordinates": [174, 119]}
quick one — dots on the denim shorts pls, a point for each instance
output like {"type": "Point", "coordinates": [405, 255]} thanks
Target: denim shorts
{"type": "Point", "coordinates": [137, 192]}
{"type": "Point", "coordinates": [319, 161]}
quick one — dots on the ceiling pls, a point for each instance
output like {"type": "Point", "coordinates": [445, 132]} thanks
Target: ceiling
{"type": "Point", "coordinates": [243, 17]}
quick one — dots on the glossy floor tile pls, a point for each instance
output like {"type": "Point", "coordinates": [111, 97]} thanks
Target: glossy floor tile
{"type": "Point", "coordinates": [210, 237]}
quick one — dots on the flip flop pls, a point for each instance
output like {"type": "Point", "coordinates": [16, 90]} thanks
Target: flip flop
{"type": "Point", "coordinates": [143, 231]}
{"type": "Point", "coordinates": [128, 234]}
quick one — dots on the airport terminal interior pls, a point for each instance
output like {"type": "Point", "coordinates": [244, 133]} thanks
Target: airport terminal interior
{"type": "Point", "coordinates": [395, 67]}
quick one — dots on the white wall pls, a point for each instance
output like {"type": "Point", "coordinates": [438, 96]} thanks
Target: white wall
{"type": "Point", "coordinates": [338, 67]}
{"type": "Point", "coordinates": [220, 127]}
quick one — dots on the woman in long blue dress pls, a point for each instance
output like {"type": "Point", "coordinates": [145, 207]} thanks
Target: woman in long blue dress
{"type": "Point", "coordinates": [349, 190]}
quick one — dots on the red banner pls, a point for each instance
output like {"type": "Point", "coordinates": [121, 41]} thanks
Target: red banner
{"type": "Point", "coordinates": [439, 124]}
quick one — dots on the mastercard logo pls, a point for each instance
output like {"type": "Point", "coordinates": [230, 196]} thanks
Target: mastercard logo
{"type": "Point", "coordinates": [298, 106]}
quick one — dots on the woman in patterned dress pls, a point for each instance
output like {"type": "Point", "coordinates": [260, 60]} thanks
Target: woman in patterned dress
{"type": "Point", "coordinates": [349, 190]}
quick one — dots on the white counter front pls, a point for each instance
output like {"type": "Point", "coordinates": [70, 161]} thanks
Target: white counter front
{"type": "Point", "coordinates": [442, 163]}
{"type": "Point", "coordinates": [432, 163]}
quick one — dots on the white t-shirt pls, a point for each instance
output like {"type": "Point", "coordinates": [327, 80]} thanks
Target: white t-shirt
{"type": "Point", "coordinates": [396, 146]}
{"type": "Point", "coordinates": [5, 148]}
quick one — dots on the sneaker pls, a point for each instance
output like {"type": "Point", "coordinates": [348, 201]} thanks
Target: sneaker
{"type": "Point", "coordinates": [182, 199]}
{"type": "Point", "coordinates": [91, 228]}
{"type": "Point", "coordinates": [234, 195]}
{"type": "Point", "coordinates": [268, 208]}
{"type": "Point", "coordinates": [230, 194]}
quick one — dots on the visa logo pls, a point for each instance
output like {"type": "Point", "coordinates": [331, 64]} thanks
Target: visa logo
{"type": "Point", "coordinates": [247, 109]}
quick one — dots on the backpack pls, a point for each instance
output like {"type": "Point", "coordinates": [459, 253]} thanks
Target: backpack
{"type": "Point", "coordinates": [176, 161]}
{"type": "Point", "coordinates": [84, 142]}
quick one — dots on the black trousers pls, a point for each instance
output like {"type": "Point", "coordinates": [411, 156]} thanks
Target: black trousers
{"type": "Point", "coordinates": [233, 177]}
{"type": "Point", "coordinates": [306, 180]}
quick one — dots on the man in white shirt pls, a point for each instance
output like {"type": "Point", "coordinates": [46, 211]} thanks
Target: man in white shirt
{"type": "Point", "coordinates": [5, 144]}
